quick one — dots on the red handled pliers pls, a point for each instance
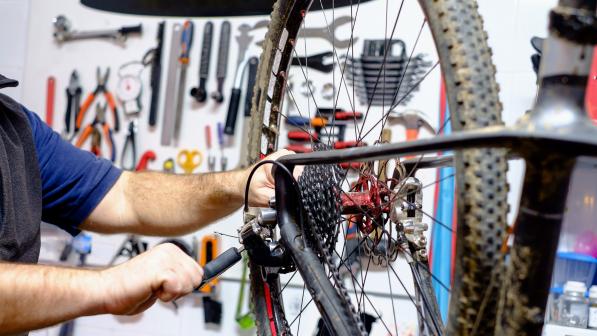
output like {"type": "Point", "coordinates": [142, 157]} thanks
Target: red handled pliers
{"type": "Point", "coordinates": [101, 88]}
{"type": "Point", "coordinates": [96, 139]}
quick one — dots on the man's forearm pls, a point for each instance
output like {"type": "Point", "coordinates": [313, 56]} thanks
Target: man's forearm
{"type": "Point", "coordinates": [36, 296]}
{"type": "Point", "coordinates": [151, 203]}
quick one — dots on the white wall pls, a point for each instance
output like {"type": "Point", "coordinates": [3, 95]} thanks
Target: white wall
{"type": "Point", "coordinates": [510, 25]}
{"type": "Point", "coordinates": [14, 16]}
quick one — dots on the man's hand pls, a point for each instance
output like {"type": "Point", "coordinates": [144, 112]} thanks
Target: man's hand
{"type": "Point", "coordinates": [262, 184]}
{"type": "Point", "coordinates": [165, 272]}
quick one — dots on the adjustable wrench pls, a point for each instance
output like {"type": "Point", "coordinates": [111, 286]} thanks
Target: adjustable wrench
{"type": "Point", "coordinates": [223, 49]}
{"type": "Point", "coordinates": [63, 31]}
{"type": "Point", "coordinates": [327, 33]}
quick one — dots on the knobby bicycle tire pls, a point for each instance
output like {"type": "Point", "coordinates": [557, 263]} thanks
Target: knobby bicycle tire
{"type": "Point", "coordinates": [472, 92]}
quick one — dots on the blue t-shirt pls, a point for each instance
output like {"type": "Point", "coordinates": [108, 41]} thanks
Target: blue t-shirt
{"type": "Point", "coordinates": [74, 181]}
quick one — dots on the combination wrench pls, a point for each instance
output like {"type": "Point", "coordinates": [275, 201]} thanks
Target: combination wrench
{"type": "Point", "coordinates": [327, 33]}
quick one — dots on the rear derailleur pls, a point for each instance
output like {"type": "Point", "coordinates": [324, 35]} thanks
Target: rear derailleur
{"type": "Point", "coordinates": [258, 236]}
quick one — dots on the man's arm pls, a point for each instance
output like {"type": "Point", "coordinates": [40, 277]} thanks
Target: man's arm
{"type": "Point", "coordinates": [37, 296]}
{"type": "Point", "coordinates": [40, 296]}
{"type": "Point", "coordinates": [161, 204]}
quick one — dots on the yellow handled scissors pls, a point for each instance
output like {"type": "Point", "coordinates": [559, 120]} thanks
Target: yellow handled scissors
{"type": "Point", "coordinates": [189, 160]}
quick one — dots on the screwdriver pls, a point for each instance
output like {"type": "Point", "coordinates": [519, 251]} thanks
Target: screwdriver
{"type": "Point", "coordinates": [223, 159]}
{"type": "Point", "coordinates": [220, 264]}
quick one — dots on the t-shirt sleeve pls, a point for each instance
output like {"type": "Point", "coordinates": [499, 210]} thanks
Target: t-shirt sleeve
{"type": "Point", "coordinates": [74, 181]}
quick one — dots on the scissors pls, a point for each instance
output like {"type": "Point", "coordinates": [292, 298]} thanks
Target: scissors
{"type": "Point", "coordinates": [189, 160]}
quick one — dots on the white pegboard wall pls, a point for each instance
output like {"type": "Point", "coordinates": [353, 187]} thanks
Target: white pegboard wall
{"type": "Point", "coordinates": [45, 58]}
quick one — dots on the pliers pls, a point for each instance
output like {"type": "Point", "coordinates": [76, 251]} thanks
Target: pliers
{"type": "Point", "coordinates": [73, 97]}
{"type": "Point", "coordinates": [101, 88]}
{"type": "Point", "coordinates": [96, 135]}
{"type": "Point", "coordinates": [131, 142]}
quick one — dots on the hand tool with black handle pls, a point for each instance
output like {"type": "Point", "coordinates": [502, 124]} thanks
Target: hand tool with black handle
{"type": "Point", "coordinates": [221, 142]}
{"type": "Point", "coordinates": [220, 264]}
{"type": "Point", "coordinates": [186, 41]}
{"type": "Point", "coordinates": [223, 49]}
{"type": "Point", "coordinates": [252, 74]}
{"type": "Point", "coordinates": [243, 40]}
{"type": "Point", "coordinates": [128, 159]}
{"type": "Point", "coordinates": [200, 92]}
{"type": "Point", "coordinates": [73, 101]}
{"type": "Point", "coordinates": [320, 62]}
{"type": "Point", "coordinates": [156, 75]}
{"type": "Point", "coordinates": [63, 31]}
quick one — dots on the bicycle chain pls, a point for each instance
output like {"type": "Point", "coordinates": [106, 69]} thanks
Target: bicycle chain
{"type": "Point", "coordinates": [320, 192]}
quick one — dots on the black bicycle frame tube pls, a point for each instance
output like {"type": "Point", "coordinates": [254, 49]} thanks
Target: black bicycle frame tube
{"type": "Point", "coordinates": [291, 220]}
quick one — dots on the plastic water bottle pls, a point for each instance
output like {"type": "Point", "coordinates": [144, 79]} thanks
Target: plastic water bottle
{"type": "Point", "coordinates": [593, 307]}
{"type": "Point", "coordinates": [574, 306]}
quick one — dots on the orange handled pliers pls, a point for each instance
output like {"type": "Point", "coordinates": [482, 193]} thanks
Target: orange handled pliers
{"type": "Point", "coordinates": [101, 88]}
{"type": "Point", "coordinates": [96, 135]}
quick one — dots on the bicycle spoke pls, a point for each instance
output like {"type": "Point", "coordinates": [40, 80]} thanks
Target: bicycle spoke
{"type": "Point", "coordinates": [365, 296]}
{"type": "Point", "coordinates": [404, 72]}
{"type": "Point", "coordinates": [298, 328]}
{"type": "Point", "coordinates": [385, 56]}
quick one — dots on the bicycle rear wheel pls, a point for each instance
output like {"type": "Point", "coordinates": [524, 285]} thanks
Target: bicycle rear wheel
{"type": "Point", "coordinates": [472, 93]}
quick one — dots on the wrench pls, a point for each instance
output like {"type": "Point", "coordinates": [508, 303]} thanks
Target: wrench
{"type": "Point", "coordinates": [243, 40]}
{"type": "Point", "coordinates": [322, 62]}
{"type": "Point", "coordinates": [327, 33]}
{"type": "Point", "coordinates": [63, 31]}
{"type": "Point", "coordinates": [221, 70]}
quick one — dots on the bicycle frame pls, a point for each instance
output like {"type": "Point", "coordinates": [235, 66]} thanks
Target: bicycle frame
{"type": "Point", "coordinates": [549, 139]}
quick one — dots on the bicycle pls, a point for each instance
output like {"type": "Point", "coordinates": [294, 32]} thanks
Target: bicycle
{"type": "Point", "coordinates": [499, 288]}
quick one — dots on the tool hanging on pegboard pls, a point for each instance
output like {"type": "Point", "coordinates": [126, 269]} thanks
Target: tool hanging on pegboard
{"type": "Point", "coordinates": [327, 33]}
{"type": "Point", "coordinates": [200, 92]}
{"type": "Point", "coordinates": [253, 64]}
{"type": "Point", "coordinates": [156, 74]}
{"type": "Point", "coordinates": [50, 95]}
{"type": "Point", "coordinates": [128, 159]}
{"type": "Point", "coordinates": [384, 75]}
{"type": "Point", "coordinates": [186, 42]}
{"type": "Point", "coordinates": [146, 157]}
{"type": "Point", "coordinates": [211, 159]}
{"type": "Point", "coordinates": [130, 86]}
{"type": "Point", "coordinates": [73, 102]}
{"type": "Point", "coordinates": [222, 68]}
{"type": "Point", "coordinates": [63, 32]}
{"type": "Point", "coordinates": [212, 308]}
{"type": "Point", "coordinates": [100, 88]}
{"type": "Point", "coordinates": [91, 130]}
{"type": "Point", "coordinates": [243, 40]}
{"type": "Point", "coordinates": [171, 86]}
{"type": "Point", "coordinates": [221, 143]}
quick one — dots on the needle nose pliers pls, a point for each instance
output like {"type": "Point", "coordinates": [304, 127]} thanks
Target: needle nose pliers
{"type": "Point", "coordinates": [96, 135]}
{"type": "Point", "coordinates": [100, 88]}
